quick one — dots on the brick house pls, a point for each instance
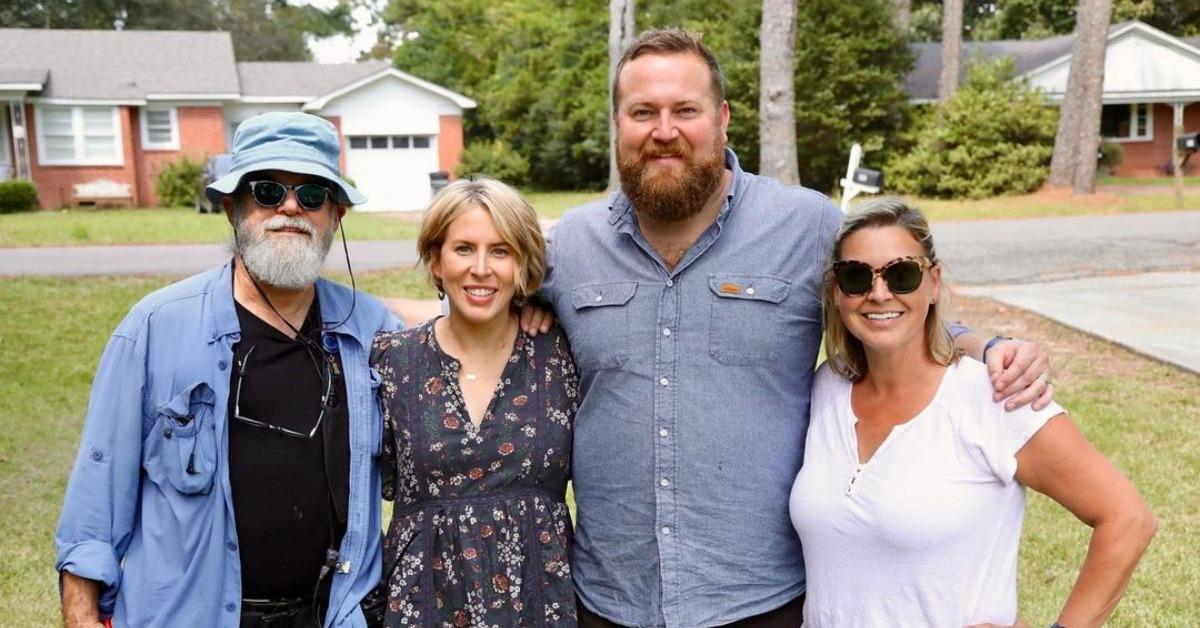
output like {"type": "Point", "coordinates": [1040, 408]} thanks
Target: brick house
{"type": "Point", "coordinates": [92, 116]}
{"type": "Point", "coordinates": [1150, 79]}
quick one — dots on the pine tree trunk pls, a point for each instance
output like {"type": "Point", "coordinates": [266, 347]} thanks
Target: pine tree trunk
{"type": "Point", "coordinates": [777, 99]}
{"type": "Point", "coordinates": [620, 36]}
{"type": "Point", "coordinates": [903, 15]}
{"type": "Point", "coordinates": [1093, 20]}
{"type": "Point", "coordinates": [952, 27]}
{"type": "Point", "coordinates": [1077, 118]}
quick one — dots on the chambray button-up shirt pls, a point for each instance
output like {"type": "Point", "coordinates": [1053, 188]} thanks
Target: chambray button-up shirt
{"type": "Point", "coordinates": [696, 386]}
{"type": "Point", "coordinates": [148, 510]}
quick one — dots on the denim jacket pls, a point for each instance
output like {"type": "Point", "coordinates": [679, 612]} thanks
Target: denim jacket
{"type": "Point", "coordinates": [148, 510]}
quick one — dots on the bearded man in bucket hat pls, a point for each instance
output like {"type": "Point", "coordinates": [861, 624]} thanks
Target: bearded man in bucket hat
{"type": "Point", "coordinates": [225, 475]}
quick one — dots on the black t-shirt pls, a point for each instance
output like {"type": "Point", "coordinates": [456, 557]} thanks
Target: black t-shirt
{"type": "Point", "coordinates": [289, 494]}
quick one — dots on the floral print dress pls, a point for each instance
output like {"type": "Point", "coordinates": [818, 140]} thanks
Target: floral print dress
{"type": "Point", "coordinates": [480, 531]}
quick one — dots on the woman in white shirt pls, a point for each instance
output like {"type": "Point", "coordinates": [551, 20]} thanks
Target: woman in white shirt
{"type": "Point", "coordinates": [910, 501]}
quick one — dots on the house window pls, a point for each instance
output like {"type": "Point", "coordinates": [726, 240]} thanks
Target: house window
{"type": "Point", "coordinates": [420, 141]}
{"type": "Point", "coordinates": [1127, 123]}
{"type": "Point", "coordinates": [399, 141]}
{"type": "Point", "coordinates": [78, 136]}
{"type": "Point", "coordinates": [358, 141]}
{"type": "Point", "coordinates": [160, 129]}
{"type": "Point", "coordinates": [379, 141]}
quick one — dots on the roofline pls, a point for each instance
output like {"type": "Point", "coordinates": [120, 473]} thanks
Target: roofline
{"type": "Point", "coordinates": [1124, 98]}
{"type": "Point", "coordinates": [266, 100]}
{"type": "Point", "coordinates": [455, 97]}
{"type": "Point", "coordinates": [27, 87]}
{"type": "Point", "coordinates": [131, 102]}
{"type": "Point", "coordinates": [218, 96]}
{"type": "Point", "coordinates": [1132, 25]}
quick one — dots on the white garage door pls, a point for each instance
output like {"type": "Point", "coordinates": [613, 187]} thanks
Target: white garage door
{"type": "Point", "coordinates": [392, 170]}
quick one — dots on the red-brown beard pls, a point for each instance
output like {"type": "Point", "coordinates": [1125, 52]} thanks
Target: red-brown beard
{"type": "Point", "coordinates": [666, 196]}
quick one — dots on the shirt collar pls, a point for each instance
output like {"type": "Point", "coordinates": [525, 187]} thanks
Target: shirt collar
{"type": "Point", "coordinates": [335, 303]}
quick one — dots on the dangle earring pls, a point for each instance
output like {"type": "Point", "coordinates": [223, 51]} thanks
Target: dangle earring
{"type": "Point", "coordinates": [441, 292]}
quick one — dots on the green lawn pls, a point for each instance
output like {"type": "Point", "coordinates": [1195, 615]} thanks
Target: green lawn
{"type": "Point", "coordinates": [84, 227]}
{"type": "Point", "coordinates": [1142, 414]}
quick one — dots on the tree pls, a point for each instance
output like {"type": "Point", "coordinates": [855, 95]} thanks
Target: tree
{"type": "Point", "coordinates": [1078, 138]}
{"type": "Point", "coordinates": [777, 102]}
{"type": "Point", "coordinates": [952, 28]}
{"type": "Point", "coordinates": [850, 69]}
{"type": "Point", "coordinates": [620, 36]}
{"type": "Point", "coordinates": [903, 15]}
{"type": "Point", "coordinates": [993, 137]}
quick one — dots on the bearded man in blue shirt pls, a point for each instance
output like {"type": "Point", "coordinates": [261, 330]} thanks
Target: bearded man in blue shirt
{"type": "Point", "coordinates": [691, 299]}
{"type": "Point", "coordinates": [226, 473]}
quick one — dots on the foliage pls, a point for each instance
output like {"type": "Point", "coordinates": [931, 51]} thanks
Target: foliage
{"type": "Point", "coordinates": [178, 183]}
{"type": "Point", "coordinates": [850, 68]}
{"type": "Point", "coordinates": [994, 137]}
{"type": "Point", "coordinates": [17, 196]}
{"type": "Point", "coordinates": [1111, 155]}
{"type": "Point", "coordinates": [495, 159]}
{"type": "Point", "coordinates": [262, 30]}
{"type": "Point", "coordinates": [985, 20]}
{"type": "Point", "coordinates": [540, 75]}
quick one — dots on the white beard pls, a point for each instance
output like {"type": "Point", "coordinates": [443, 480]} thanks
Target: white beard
{"type": "Point", "coordinates": [282, 262]}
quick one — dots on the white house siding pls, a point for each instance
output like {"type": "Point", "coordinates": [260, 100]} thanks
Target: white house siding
{"type": "Point", "coordinates": [237, 113]}
{"type": "Point", "coordinates": [393, 178]}
{"type": "Point", "coordinates": [1139, 66]}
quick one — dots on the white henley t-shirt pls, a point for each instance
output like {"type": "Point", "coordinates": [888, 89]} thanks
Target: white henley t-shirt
{"type": "Point", "coordinates": [926, 532]}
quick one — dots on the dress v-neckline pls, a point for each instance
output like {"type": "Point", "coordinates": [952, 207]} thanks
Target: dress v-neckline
{"type": "Point", "coordinates": [462, 408]}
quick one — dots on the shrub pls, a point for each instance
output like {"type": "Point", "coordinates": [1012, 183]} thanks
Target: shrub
{"type": "Point", "coordinates": [179, 182]}
{"type": "Point", "coordinates": [495, 159]}
{"type": "Point", "coordinates": [994, 137]}
{"type": "Point", "coordinates": [17, 196]}
{"type": "Point", "coordinates": [1111, 155]}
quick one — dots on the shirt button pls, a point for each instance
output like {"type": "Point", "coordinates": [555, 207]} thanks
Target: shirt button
{"type": "Point", "coordinates": [666, 531]}
{"type": "Point", "coordinates": [167, 433]}
{"type": "Point", "coordinates": [231, 607]}
{"type": "Point", "coordinates": [97, 455]}
{"type": "Point", "coordinates": [749, 290]}
{"type": "Point", "coordinates": [664, 482]}
{"type": "Point", "coordinates": [663, 432]}
{"type": "Point", "coordinates": [231, 546]}
{"type": "Point", "coordinates": [664, 381]}
{"type": "Point", "coordinates": [670, 283]}
{"type": "Point", "coordinates": [666, 331]}
{"type": "Point", "coordinates": [599, 298]}
{"type": "Point", "coordinates": [222, 365]}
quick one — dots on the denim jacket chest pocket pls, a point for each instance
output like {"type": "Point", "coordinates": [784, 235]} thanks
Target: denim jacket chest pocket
{"type": "Point", "coordinates": [602, 315]}
{"type": "Point", "coordinates": [746, 324]}
{"type": "Point", "coordinates": [181, 448]}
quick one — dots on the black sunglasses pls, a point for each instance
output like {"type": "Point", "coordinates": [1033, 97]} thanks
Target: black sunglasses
{"type": "Point", "coordinates": [902, 275]}
{"type": "Point", "coordinates": [326, 380]}
{"type": "Point", "coordinates": [310, 196]}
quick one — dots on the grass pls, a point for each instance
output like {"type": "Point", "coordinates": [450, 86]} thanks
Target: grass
{"type": "Point", "coordinates": [1142, 414]}
{"type": "Point", "coordinates": [1147, 181]}
{"type": "Point", "coordinates": [94, 227]}
{"type": "Point", "coordinates": [86, 227]}
{"type": "Point", "coordinates": [1044, 205]}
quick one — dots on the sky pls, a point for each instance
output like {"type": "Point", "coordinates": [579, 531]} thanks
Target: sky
{"type": "Point", "coordinates": [343, 49]}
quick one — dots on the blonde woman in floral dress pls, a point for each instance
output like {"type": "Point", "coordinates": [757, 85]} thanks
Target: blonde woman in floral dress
{"type": "Point", "coordinates": [477, 429]}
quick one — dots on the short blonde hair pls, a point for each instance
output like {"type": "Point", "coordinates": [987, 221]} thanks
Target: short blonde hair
{"type": "Point", "coordinates": [514, 218]}
{"type": "Point", "coordinates": [845, 352]}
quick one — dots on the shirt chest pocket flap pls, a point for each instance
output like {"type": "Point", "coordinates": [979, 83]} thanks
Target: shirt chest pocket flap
{"type": "Point", "coordinates": [602, 316]}
{"type": "Point", "coordinates": [181, 448]}
{"type": "Point", "coordinates": [747, 322]}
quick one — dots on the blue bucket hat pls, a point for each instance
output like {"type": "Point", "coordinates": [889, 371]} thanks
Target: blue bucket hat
{"type": "Point", "coordinates": [300, 143]}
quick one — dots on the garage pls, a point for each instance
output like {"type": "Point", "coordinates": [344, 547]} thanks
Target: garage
{"type": "Point", "coordinates": [392, 170]}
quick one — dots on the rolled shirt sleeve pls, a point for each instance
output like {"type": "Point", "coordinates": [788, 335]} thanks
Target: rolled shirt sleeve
{"type": "Point", "coordinates": [102, 494]}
